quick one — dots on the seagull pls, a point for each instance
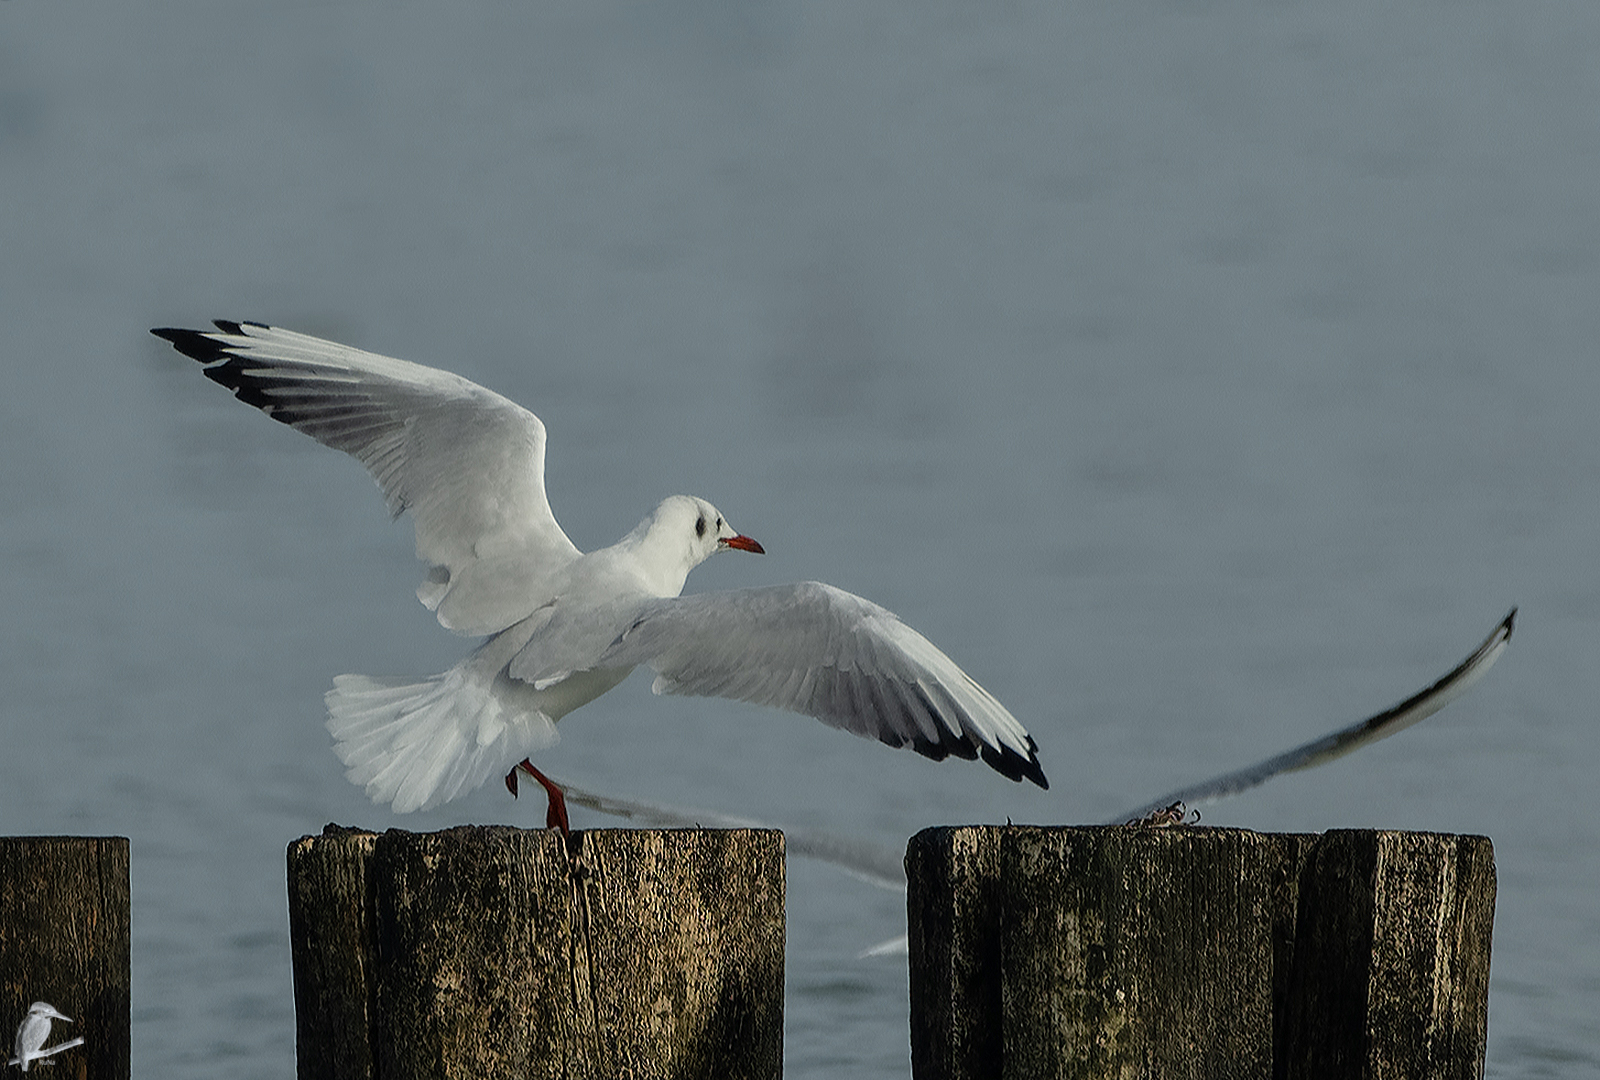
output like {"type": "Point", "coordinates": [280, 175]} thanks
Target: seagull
{"type": "Point", "coordinates": [562, 626]}
{"type": "Point", "coordinates": [34, 1030]}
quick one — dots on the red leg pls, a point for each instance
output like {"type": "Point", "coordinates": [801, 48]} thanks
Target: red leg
{"type": "Point", "coordinates": [555, 815]}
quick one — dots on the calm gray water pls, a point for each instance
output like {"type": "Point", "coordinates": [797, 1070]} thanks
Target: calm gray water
{"type": "Point", "coordinates": [1199, 375]}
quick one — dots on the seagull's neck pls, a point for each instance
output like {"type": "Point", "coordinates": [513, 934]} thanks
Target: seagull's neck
{"type": "Point", "coordinates": [660, 565]}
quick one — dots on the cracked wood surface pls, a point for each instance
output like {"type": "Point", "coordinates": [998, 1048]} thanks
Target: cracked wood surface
{"type": "Point", "coordinates": [1198, 952]}
{"type": "Point", "coordinates": [64, 939]}
{"type": "Point", "coordinates": [490, 952]}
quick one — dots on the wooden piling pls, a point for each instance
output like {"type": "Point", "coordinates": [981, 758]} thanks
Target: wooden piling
{"type": "Point", "coordinates": [1112, 952]}
{"type": "Point", "coordinates": [64, 939]}
{"type": "Point", "coordinates": [1391, 965]}
{"type": "Point", "coordinates": [496, 952]}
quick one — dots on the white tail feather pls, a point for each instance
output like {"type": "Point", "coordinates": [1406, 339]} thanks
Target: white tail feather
{"type": "Point", "coordinates": [415, 745]}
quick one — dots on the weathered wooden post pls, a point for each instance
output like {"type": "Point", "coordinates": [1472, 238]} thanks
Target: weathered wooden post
{"type": "Point", "coordinates": [64, 939]}
{"type": "Point", "coordinates": [497, 952]}
{"type": "Point", "coordinates": [1391, 961]}
{"type": "Point", "coordinates": [1112, 952]}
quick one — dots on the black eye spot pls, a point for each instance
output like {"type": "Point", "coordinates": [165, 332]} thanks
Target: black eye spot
{"type": "Point", "coordinates": [700, 526]}
{"type": "Point", "coordinates": [719, 524]}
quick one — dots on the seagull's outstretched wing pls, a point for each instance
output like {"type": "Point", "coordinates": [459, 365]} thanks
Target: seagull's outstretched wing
{"type": "Point", "coordinates": [813, 649]}
{"type": "Point", "coordinates": [467, 463]}
{"type": "Point", "coordinates": [1419, 706]}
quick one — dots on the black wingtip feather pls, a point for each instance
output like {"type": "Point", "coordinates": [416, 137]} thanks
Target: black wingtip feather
{"type": "Point", "coordinates": [1013, 766]}
{"type": "Point", "coordinates": [250, 388]}
{"type": "Point", "coordinates": [961, 748]}
{"type": "Point", "coordinates": [193, 344]}
{"type": "Point", "coordinates": [198, 345]}
{"type": "Point", "coordinates": [1004, 760]}
{"type": "Point", "coordinates": [938, 751]}
{"type": "Point", "coordinates": [225, 367]}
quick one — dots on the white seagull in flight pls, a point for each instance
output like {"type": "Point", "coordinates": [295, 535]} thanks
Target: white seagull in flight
{"type": "Point", "coordinates": [563, 626]}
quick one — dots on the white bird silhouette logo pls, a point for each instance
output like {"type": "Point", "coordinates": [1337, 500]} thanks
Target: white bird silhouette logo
{"type": "Point", "coordinates": [34, 1030]}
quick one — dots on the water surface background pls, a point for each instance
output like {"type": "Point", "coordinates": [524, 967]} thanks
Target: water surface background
{"type": "Point", "coordinates": [1200, 375]}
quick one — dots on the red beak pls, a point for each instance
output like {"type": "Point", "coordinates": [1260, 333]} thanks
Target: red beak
{"type": "Point", "coordinates": [744, 543]}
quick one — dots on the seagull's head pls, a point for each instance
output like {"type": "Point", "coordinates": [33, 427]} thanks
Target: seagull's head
{"type": "Point", "coordinates": [690, 530]}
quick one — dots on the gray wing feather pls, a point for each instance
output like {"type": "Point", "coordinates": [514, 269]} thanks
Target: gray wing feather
{"type": "Point", "coordinates": [813, 649]}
